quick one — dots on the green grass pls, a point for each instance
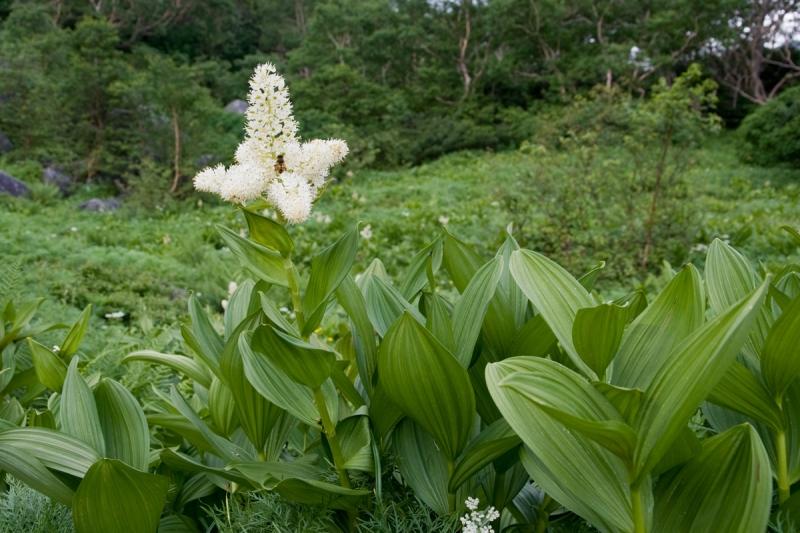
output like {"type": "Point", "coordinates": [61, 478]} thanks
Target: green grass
{"type": "Point", "coordinates": [146, 261]}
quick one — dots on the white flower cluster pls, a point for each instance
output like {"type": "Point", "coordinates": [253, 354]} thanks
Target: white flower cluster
{"type": "Point", "coordinates": [272, 161]}
{"type": "Point", "coordinates": [478, 521]}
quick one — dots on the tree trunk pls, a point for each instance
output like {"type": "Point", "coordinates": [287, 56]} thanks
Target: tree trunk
{"type": "Point", "coordinates": [176, 132]}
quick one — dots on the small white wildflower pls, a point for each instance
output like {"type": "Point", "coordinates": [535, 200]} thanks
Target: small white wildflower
{"type": "Point", "coordinates": [444, 220]}
{"type": "Point", "coordinates": [73, 229]}
{"type": "Point", "coordinates": [366, 232]}
{"type": "Point", "coordinates": [232, 286]}
{"type": "Point", "coordinates": [56, 348]}
{"type": "Point", "coordinates": [478, 521]}
{"type": "Point", "coordinates": [116, 315]}
{"type": "Point", "coordinates": [224, 304]}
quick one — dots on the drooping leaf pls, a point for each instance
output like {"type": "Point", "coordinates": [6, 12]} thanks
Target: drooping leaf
{"type": "Point", "coordinates": [241, 305]}
{"type": "Point", "coordinates": [740, 390]}
{"type": "Point", "coordinates": [78, 410]}
{"type": "Point", "coordinates": [555, 294]}
{"type": "Point", "coordinates": [266, 264]}
{"type": "Point", "coordinates": [269, 233]}
{"type": "Point", "coordinates": [222, 407]}
{"type": "Point", "coordinates": [134, 503]}
{"type": "Point", "coordinates": [205, 341]}
{"type": "Point", "coordinates": [438, 319]}
{"type": "Point", "coordinates": [53, 449]}
{"type": "Point", "coordinates": [427, 383]}
{"type": "Point", "coordinates": [355, 441]}
{"type": "Point", "coordinates": [180, 363]}
{"type": "Point", "coordinates": [385, 304]}
{"type": "Point", "coordinates": [726, 487]}
{"type": "Point", "coordinates": [125, 430]}
{"type": "Point", "coordinates": [304, 363]}
{"type": "Point", "coordinates": [429, 258]}
{"type": "Point", "coordinates": [352, 300]}
{"type": "Point", "coordinates": [321, 493]}
{"type": "Point", "coordinates": [491, 443]}
{"type": "Point", "coordinates": [33, 473]}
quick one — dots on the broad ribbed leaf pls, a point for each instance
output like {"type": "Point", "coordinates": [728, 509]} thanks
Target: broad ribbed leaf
{"type": "Point", "coordinates": [555, 294]}
{"type": "Point", "coordinates": [534, 338]}
{"type": "Point", "coordinates": [222, 407]}
{"type": "Point", "coordinates": [75, 335]}
{"type": "Point", "coordinates": [78, 410]}
{"type": "Point", "coordinates": [676, 312]}
{"type": "Point", "coordinates": [428, 260]}
{"type": "Point", "coordinates": [385, 304]}
{"type": "Point", "coordinates": [576, 471]}
{"type": "Point", "coordinates": [571, 400]}
{"type": "Point", "coordinates": [55, 450]}
{"type": "Point", "coordinates": [328, 269]}
{"type": "Point", "coordinates": [422, 465]}
{"type": "Point", "coordinates": [33, 473]}
{"type": "Point", "coordinates": [274, 385]}
{"type": "Point", "coordinates": [730, 278]}
{"type": "Point", "coordinates": [780, 358]}
{"type": "Point", "coordinates": [50, 368]}
{"type": "Point", "coordinates": [427, 383]}
{"type": "Point", "coordinates": [740, 390]}
{"type": "Point", "coordinates": [320, 493]}
{"type": "Point", "coordinates": [471, 307]}
{"type": "Point", "coordinates": [125, 430]}
{"type": "Point", "coordinates": [356, 443]}
{"type": "Point", "coordinates": [115, 498]}
{"type": "Point", "coordinates": [597, 333]}
{"type": "Point", "coordinates": [438, 319]}
{"type": "Point", "coordinates": [688, 375]}
{"type": "Point", "coordinates": [352, 301]}
{"type": "Point", "coordinates": [490, 444]}
{"type": "Point", "coordinates": [304, 363]}
{"type": "Point", "coordinates": [204, 340]}
{"type": "Point", "coordinates": [241, 305]}
{"type": "Point", "coordinates": [265, 263]}
{"type": "Point", "coordinates": [180, 363]}
{"type": "Point", "coordinates": [269, 233]}
{"type": "Point", "coordinates": [726, 487]}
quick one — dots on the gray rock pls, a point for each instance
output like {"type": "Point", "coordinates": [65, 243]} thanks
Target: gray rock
{"type": "Point", "coordinates": [236, 106]}
{"type": "Point", "coordinates": [53, 176]}
{"type": "Point", "coordinates": [11, 185]}
{"type": "Point", "coordinates": [101, 205]}
{"type": "Point", "coordinates": [5, 143]}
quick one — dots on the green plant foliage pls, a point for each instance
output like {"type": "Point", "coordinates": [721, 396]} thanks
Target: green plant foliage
{"type": "Point", "coordinates": [768, 135]}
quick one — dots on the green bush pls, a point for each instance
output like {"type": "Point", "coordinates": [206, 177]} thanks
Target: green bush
{"type": "Point", "coordinates": [770, 135]}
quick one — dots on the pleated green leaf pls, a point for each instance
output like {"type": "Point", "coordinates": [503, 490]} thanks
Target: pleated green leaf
{"type": "Point", "coordinates": [428, 260]}
{"type": "Point", "coordinates": [352, 301]}
{"type": "Point", "coordinates": [265, 263]}
{"type": "Point", "coordinates": [780, 358]}
{"type": "Point", "coordinates": [241, 305]}
{"type": "Point", "coordinates": [115, 498]}
{"type": "Point", "coordinates": [50, 368]}
{"type": "Point", "coordinates": [534, 338]}
{"type": "Point", "coordinates": [222, 407]}
{"type": "Point", "coordinates": [726, 487]}
{"type": "Point", "coordinates": [688, 375]}
{"type": "Point", "coordinates": [385, 304]}
{"type": "Point", "coordinates": [577, 472]}
{"type": "Point", "coordinates": [729, 278]}
{"type": "Point", "coordinates": [493, 442]}
{"type": "Point", "coordinates": [555, 294]}
{"type": "Point", "coordinates": [356, 443]}
{"type": "Point", "coordinates": [269, 233]}
{"type": "Point", "coordinates": [427, 383]}
{"type": "Point", "coordinates": [204, 339]}
{"type": "Point", "coordinates": [677, 311]}
{"type": "Point", "coordinates": [438, 319]}
{"type": "Point", "coordinates": [54, 450]}
{"type": "Point", "coordinates": [180, 363]}
{"type": "Point", "coordinates": [597, 333]}
{"type": "Point", "coordinates": [470, 309]}
{"type": "Point", "coordinates": [328, 269]}
{"type": "Point", "coordinates": [422, 465]}
{"type": "Point", "coordinates": [20, 464]}
{"type": "Point", "coordinates": [570, 399]}
{"type": "Point", "coordinates": [125, 430]}
{"type": "Point", "coordinates": [304, 363]}
{"type": "Point", "coordinates": [274, 385]}
{"type": "Point", "coordinates": [78, 410]}
{"type": "Point", "coordinates": [75, 334]}
{"type": "Point", "coordinates": [320, 493]}
{"type": "Point", "coordinates": [740, 390]}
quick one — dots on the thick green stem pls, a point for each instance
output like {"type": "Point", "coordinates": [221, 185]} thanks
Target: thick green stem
{"type": "Point", "coordinates": [451, 496]}
{"type": "Point", "coordinates": [293, 278]}
{"type": "Point", "coordinates": [637, 506]}
{"type": "Point", "coordinates": [330, 433]}
{"type": "Point", "coordinates": [543, 515]}
{"type": "Point", "coordinates": [783, 466]}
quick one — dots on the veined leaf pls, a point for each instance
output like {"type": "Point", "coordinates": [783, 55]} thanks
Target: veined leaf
{"type": "Point", "coordinates": [427, 383]}
{"type": "Point", "coordinates": [328, 269]}
{"type": "Point", "coordinates": [265, 263]}
{"type": "Point", "coordinates": [352, 300]}
{"type": "Point", "coordinates": [780, 358]}
{"type": "Point", "coordinates": [320, 493]}
{"type": "Point", "coordinates": [222, 407]}
{"type": "Point", "coordinates": [437, 319]}
{"type": "Point", "coordinates": [385, 304]}
{"type": "Point", "coordinates": [134, 502]}
{"type": "Point", "coordinates": [180, 363]}
{"type": "Point", "coordinates": [469, 310]}
{"type": "Point", "coordinates": [33, 473]}
{"type": "Point", "coordinates": [78, 410]}
{"type": "Point", "coordinates": [688, 375]}
{"type": "Point", "coordinates": [50, 368]}
{"type": "Point", "coordinates": [269, 233]}
{"type": "Point", "coordinates": [241, 306]}
{"type": "Point", "coordinates": [597, 332]}
{"type": "Point", "coordinates": [740, 390]}
{"type": "Point", "coordinates": [355, 441]}
{"type": "Point", "coordinates": [75, 335]}
{"type": "Point", "coordinates": [555, 294]}
{"type": "Point", "coordinates": [124, 425]}
{"type": "Point", "coordinates": [54, 450]}
{"type": "Point", "coordinates": [429, 258]}
{"type": "Point", "coordinates": [490, 444]}
{"type": "Point", "coordinates": [676, 312]}
{"type": "Point", "coordinates": [204, 341]}
{"type": "Point", "coordinates": [304, 363]}
{"type": "Point", "coordinates": [422, 465]}
{"type": "Point", "coordinates": [576, 471]}
{"type": "Point", "coordinates": [726, 487]}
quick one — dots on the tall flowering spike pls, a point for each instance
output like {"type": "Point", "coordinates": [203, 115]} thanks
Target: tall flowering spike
{"type": "Point", "coordinates": [271, 161]}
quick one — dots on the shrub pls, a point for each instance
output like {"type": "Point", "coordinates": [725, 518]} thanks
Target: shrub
{"type": "Point", "coordinates": [770, 135]}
